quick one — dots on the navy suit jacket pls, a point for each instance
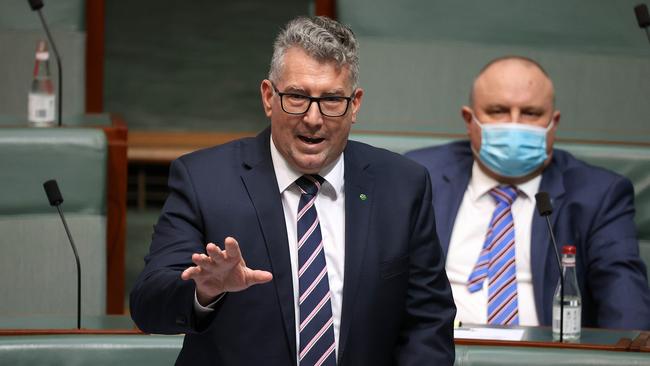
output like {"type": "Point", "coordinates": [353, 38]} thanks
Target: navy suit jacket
{"type": "Point", "coordinates": [397, 304]}
{"type": "Point", "coordinates": [593, 209]}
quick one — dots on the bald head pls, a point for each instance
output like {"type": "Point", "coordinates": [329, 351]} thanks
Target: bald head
{"type": "Point", "coordinates": [514, 74]}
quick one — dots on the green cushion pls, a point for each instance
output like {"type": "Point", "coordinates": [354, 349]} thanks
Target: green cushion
{"type": "Point", "coordinates": [72, 350]}
{"type": "Point", "coordinates": [35, 255]}
{"type": "Point", "coordinates": [75, 157]}
{"type": "Point", "coordinates": [40, 276]}
{"type": "Point", "coordinates": [504, 356]}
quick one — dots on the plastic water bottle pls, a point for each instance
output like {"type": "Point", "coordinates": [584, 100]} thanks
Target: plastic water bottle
{"type": "Point", "coordinates": [41, 103]}
{"type": "Point", "coordinates": [572, 299]}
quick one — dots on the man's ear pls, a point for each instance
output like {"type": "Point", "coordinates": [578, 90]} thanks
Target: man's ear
{"type": "Point", "coordinates": [355, 103]}
{"type": "Point", "coordinates": [556, 118]}
{"type": "Point", "coordinates": [467, 114]}
{"type": "Point", "coordinates": [267, 92]}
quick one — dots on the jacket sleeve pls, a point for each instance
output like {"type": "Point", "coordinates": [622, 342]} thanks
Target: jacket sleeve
{"type": "Point", "coordinates": [616, 275]}
{"type": "Point", "coordinates": [161, 302]}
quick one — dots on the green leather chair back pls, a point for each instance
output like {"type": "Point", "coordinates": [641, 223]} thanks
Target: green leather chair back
{"type": "Point", "coordinates": [39, 273]}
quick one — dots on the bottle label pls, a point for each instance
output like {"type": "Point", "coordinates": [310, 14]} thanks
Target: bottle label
{"type": "Point", "coordinates": [41, 108]}
{"type": "Point", "coordinates": [572, 319]}
{"type": "Point", "coordinates": [42, 55]}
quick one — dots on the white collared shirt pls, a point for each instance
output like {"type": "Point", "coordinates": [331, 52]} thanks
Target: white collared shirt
{"type": "Point", "coordinates": [330, 206]}
{"type": "Point", "coordinates": [466, 243]}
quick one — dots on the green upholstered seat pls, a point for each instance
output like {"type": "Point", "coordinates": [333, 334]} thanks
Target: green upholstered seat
{"type": "Point", "coordinates": [39, 274]}
{"type": "Point", "coordinates": [529, 356]}
{"type": "Point", "coordinates": [96, 350]}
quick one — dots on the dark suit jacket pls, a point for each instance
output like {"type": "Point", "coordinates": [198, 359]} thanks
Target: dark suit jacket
{"type": "Point", "coordinates": [592, 208]}
{"type": "Point", "coordinates": [397, 304]}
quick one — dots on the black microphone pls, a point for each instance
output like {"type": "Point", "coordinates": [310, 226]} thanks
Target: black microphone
{"type": "Point", "coordinates": [36, 5]}
{"type": "Point", "coordinates": [55, 198]}
{"type": "Point", "coordinates": [643, 18]}
{"type": "Point", "coordinates": [545, 208]}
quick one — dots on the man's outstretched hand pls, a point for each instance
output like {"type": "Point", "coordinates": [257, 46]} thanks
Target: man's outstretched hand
{"type": "Point", "coordinates": [222, 271]}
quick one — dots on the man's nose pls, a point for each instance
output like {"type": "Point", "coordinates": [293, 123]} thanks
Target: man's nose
{"type": "Point", "coordinates": [313, 115]}
{"type": "Point", "coordinates": [515, 116]}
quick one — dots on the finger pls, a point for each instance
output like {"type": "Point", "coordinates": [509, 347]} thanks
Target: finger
{"type": "Point", "coordinates": [256, 277]}
{"type": "Point", "coordinates": [199, 258]}
{"type": "Point", "coordinates": [215, 252]}
{"type": "Point", "coordinates": [232, 249]}
{"type": "Point", "coordinates": [190, 273]}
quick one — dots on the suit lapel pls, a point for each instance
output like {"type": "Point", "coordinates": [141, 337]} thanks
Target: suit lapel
{"type": "Point", "coordinates": [540, 243]}
{"type": "Point", "coordinates": [448, 196]}
{"type": "Point", "coordinates": [262, 187]}
{"type": "Point", "coordinates": [358, 182]}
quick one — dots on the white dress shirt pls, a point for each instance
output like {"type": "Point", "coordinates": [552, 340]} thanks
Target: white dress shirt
{"type": "Point", "coordinates": [466, 243]}
{"type": "Point", "coordinates": [330, 206]}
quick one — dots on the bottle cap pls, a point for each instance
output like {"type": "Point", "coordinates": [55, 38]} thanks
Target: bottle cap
{"type": "Point", "coordinates": [569, 249]}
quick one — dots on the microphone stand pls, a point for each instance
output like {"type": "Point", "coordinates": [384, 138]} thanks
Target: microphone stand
{"type": "Point", "coordinates": [76, 257]}
{"type": "Point", "coordinates": [54, 196]}
{"type": "Point", "coordinates": [559, 263]}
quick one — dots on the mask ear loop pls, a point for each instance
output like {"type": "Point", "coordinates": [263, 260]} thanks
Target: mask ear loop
{"type": "Point", "coordinates": [475, 120]}
{"type": "Point", "coordinates": [550, 125]}
{"type": "Point", "coordinates": [480, 125]}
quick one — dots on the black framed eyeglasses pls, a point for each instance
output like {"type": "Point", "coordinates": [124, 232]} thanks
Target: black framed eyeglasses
{"type": "Point", "coordinates": [330, 106]}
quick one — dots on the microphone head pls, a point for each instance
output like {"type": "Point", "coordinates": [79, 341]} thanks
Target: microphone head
{"type": "Point", "coordinates": [544, 206]}
{"type": "Point", "coordinates": [35, 4]}
{"type": "Point", "coordinates": [52, 192]}
{"type": "Point", "coordinates": [642, 16]}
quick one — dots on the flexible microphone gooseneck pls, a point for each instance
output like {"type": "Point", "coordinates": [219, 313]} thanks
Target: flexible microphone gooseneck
{"type": "Point", "coordinates": [545, 209]}
{"type": "Point", "coordinates": [36, 5]}
{"type": "Point", "coordinates": [55, 198]}
{"type": "Point", "coordinates": [643, 18]}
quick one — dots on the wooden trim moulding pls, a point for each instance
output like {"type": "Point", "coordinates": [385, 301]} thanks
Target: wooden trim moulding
{"type": "Point", "coordinates": [116, 136]}
{"type": "Point", "coordinates": [326, 8]}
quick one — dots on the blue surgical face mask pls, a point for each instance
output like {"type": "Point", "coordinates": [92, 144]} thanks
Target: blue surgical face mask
{"type": "Point", "coordinates": [512, 149]}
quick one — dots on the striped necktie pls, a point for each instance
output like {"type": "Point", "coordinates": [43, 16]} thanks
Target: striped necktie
{"type": "Point", "coordinates": [317, 346]}
{"type": "Point", "coordinates": [497, 261]}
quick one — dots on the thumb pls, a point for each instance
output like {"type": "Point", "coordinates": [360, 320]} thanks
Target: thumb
{"type": "Point", "coordinates": [256, 277]}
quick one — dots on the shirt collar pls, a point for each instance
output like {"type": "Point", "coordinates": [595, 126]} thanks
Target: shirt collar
{"type": "Point", "coordinates": [480, 184]}
{"type": "Point", "coordinates": [286, 175]}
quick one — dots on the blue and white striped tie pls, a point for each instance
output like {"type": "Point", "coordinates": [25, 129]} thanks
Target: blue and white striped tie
{"type": "Point", "coordinates": [497, 261]}
{"type": "Point", "coordinates": [317, 346]}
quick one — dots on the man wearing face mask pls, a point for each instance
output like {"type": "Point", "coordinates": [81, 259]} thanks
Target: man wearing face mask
{"type": "Point", "coordinates": [498, 257]}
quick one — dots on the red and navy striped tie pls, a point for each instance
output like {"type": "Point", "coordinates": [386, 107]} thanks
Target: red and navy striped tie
{"type": "Point", "coordinates": [317, 346]}
{"type": "Point", "coordinates": [497, 261]}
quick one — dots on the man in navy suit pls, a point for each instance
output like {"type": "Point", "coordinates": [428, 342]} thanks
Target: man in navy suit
{"type": "Point", "coordinates": [326, 251]}
{"type": "Point", "coordinates": [511, 124]}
